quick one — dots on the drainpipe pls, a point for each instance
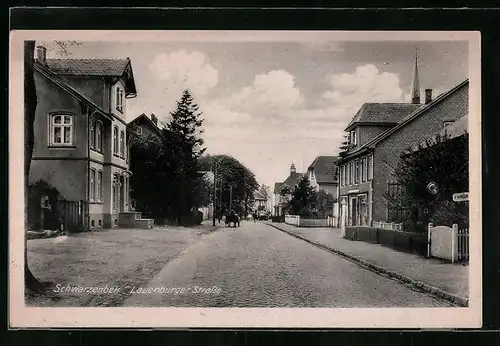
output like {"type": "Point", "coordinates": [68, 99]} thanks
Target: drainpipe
{"type": "Point", "coordinates": [88, 166]}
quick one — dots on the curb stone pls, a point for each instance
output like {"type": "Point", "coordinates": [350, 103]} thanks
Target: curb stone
{"type": "Point", "coordinates": [457, 300]}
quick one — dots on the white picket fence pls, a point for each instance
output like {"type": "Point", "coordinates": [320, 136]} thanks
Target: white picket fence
{"type": "Point", "coordinates": [391, 226]}
{"type": "Point", "coordinates": [463, 244]}
{"type": "Point", "coordinates": [296, 220]}
{"type": "Point", "coordinates": [448, 243]}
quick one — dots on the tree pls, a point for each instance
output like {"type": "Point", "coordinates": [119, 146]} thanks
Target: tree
{"type": "Point", "coordinates": [443, 161]}
{"type": "Point", "coordinates": [185, 143]}
{"type": "Point", "coordinates": [150, 178]}
{"type": "Point", "coordinates": [345, 145]}
{"type": "Point", "coordinates": [324, 204]}
{"type": "Point", "coordinates": [235, 183]}
{"type": "Point", "coordinates": [30, 103]}
{"type": "Point", "coordinates": [303, 199]}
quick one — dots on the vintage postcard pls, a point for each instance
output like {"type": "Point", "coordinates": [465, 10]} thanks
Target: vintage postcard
{"type": "Point", "coordinates": [228, 179]}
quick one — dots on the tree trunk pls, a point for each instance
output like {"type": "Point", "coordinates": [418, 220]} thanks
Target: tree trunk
{"type": "Point", "coordinates": [30, 102]}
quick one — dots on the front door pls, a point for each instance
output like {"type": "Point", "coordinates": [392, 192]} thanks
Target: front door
{"type": "Point", "coordinates": [354, 214]}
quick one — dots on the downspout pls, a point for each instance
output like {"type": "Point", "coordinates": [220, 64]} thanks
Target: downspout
{"type": "Point", "coordinates": [87, 108]}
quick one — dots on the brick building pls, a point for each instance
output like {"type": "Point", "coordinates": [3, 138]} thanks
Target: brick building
{"type": "Point", "coordinates": [378, 134]}
{"type": "Point", "coordinates": [366, 170]}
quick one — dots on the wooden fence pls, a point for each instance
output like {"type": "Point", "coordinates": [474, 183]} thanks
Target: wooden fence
{"type": "Point", "coordinates": [74, 215]}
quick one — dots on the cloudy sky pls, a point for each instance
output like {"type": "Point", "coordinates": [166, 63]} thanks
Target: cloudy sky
{"type": "Point", "coordinates": [272, 103]}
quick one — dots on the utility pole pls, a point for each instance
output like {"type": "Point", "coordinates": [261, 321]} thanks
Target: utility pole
{"type": "Point", "coordinates": [215, 195]}
{"type": "Point", "coordinates": [230, 197]}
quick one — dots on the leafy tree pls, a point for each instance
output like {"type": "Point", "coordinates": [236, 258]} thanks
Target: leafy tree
{"type": "Point", "coordinates": [235, 183]}
{"type": "Point", "coordinates": [324, 204]}
{"type": "Point", "coordinates": [443, 161]}
{"type": "Point", "coordinates": [303, 199]}
{"type": "Point", "coordinates": [149, 182]}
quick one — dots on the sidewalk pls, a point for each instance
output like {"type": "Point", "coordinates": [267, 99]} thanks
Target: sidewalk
{"type": "Point", "coordinates": [448, 279]}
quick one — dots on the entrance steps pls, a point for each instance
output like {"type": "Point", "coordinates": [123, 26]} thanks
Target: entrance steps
{"type": "Point", "coordinates": [133, 219]}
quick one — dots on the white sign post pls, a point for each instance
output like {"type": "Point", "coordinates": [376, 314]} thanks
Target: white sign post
{"type": "Point", "coordinates": [461, 197]}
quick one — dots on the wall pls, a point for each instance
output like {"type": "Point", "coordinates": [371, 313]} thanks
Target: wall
{"type": "Point", "coordinates": [368, 132]}
{"type": "Point", "coordinates": [52, 98]}
{"type": "Point", "coordinates": [388, 151]}
{"type": "Point", "coordinates": [330, 188]}
{"type": "Point", "coordinates": [92, 87]}
{"type": "Point", "coordinates": [68, 176]}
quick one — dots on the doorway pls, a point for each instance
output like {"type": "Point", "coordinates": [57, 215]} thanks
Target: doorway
{"type": "Point", "coordinates": [354, 211]}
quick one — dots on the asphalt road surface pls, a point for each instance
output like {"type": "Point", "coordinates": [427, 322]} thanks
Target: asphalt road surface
{"type": "Point", "coordinates": [256, 265]}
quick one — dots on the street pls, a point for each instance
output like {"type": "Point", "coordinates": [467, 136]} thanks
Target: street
{"type": "Point", "coordinates": [256, 265]}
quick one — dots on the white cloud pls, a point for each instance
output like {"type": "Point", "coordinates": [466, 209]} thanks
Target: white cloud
{"type": "Point", "coordinates": [184, 69]}
{"type": "Point", "coordinates": [270, 92]}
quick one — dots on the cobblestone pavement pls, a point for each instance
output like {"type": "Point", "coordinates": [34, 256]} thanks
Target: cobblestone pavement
{"type": "Point", "coordinates": [256, 265]}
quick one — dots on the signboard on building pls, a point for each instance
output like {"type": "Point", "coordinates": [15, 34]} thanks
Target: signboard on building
{"type": "Point", "coordinates": [461, 197]}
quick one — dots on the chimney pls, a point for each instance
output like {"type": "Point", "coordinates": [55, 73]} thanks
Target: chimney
{"type": "Point", "coordinates": [154, 119]}
{"type": "Point", "coordinates": [428, 96]}
{"type": "Point", "coordinates": [41, 54]}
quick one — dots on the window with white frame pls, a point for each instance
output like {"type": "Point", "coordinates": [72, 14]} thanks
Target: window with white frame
{"type": "Point", "coordinates": [353, 138]}
{"type": "Point", "coordinates": [99, 186]}
{"type": "Point", "coordinates": [98, 135]}
{"type": "Point", "coordinates": [61, 129]}
{"type": "Point", "coordinates": [122, 144]}
{"type": "Point", "coordinates": [115, 140]}
{"type": "Point", "coordinates": [119, 98]}
{"type": "Point", "coordinates": [356, 172]}
{"type": "Point", "coordinates": [92, 186]}
{"type": "Point", "coordinates": [370, 167]}
{"type": "Point", "coordinates": [92, 133]}
{"type": "Point", "coordinates": [350, 172]}
{"type": "Point", "coordinates": [363, 171]}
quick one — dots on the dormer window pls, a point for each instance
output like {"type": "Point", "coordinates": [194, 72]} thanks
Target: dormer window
{"type": "Point", "coordinates": [119, 98]}
{"type": "Point", "coordinates": [353, 138]}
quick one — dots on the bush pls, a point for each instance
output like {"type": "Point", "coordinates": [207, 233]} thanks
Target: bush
{"type": "Point", "coordinates": [52, 217]}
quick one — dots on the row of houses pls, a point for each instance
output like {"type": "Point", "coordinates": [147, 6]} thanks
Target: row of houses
{"type": "Point", "coordinates": [81, 144]}
{"type": "Point", "coordinates": [376, 136]}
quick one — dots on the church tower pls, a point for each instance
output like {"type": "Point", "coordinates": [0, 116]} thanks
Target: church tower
{"type": "Point", "coordinates": [292, 169]}
{"type": "Point", "coordinates": [415, 85]}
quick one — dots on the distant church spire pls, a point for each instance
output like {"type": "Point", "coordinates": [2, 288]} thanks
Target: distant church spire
{"type": "Point", "coordinates": [415, 85]}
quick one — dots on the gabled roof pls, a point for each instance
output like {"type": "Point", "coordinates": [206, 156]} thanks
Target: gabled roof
{"type": "Point", "coordinates": [325, 169]}
{"type": "Point", "coordinates": [147, 120]}
{"type": "Point", "coordinates": [293, 179]}
{"type": "Point", "coordinates": [381, 113]}
{"type": "Point", "coordinates": [405, 121]}
{"type": "Point", "coordinates": [95, 67]}
{"type": "Point", "coordinates": [259, 196]}
{"type": "Point", "coordinates": [70, 90]}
